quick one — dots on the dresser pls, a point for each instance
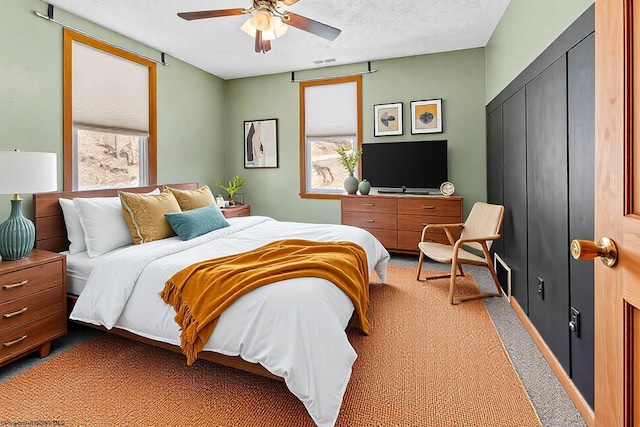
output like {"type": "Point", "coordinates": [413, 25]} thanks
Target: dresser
{"type": "Point", "coordinates": [397, 220]}
{"type": "Point", "coordinates": [32, 304]}
{"type": "Point", "coordinates": [235, 211]}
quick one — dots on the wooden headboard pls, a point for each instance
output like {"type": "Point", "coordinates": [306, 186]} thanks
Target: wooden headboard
{"type": "Point", "coordinates": [51, 232]}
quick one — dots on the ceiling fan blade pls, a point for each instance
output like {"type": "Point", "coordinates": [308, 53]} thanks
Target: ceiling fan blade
{"type": "Point", "coordinates": [314, 27]}
{"type": "Point", "coordinates": [202, 14]}
{"type": "Point", "coordinates": [258, 41]}
{"type": "Point", "coordinates": [266, 46]}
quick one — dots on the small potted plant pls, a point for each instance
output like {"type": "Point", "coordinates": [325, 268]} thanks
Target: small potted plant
{"type": "Point", "coordinates": [232, 187]}
{"type": "Point", "coordinates": [349, 159]}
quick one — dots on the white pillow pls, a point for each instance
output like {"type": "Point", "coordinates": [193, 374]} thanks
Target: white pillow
{"type": "Point", "coordinates": [75, 233]}
{"type": "Point", "coordinates": [103, 223]}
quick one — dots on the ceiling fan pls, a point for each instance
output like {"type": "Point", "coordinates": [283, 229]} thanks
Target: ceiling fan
{"type": "Point", "coordinates": [268, 21]}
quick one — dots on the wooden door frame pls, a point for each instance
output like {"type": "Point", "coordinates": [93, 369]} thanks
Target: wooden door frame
{"type": "Point", "coordinates": [613, 125]}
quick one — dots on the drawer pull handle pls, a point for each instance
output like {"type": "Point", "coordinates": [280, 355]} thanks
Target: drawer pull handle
{"type": "Point", "coordinates": [368, 204]}
{"type": "Point", "coordinates": [428, 207]}
{"type": "Point", "coordinates": [15, 313]}
{"type": "Point", "coordinates": [15, 285]}
{"type": "Point", "coordinates": [16, 341]}
{"type": "Point", "coordinates": [369, 220]}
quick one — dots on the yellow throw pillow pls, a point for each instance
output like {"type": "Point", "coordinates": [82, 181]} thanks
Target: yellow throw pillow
{"type": "Point", "coordinates": [193, 199]}
{"type": "Point", "coordinates": [144, 214]}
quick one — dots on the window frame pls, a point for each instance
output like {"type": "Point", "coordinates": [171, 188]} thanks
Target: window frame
{"type": "Point", "coordinates": [303, 137]}
{"type": "Point", "coordinates": [69, 170]}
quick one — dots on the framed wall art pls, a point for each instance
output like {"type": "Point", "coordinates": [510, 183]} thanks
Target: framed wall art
{"type": "Point", "coordinates": [261, 143]}
{"type": "Point", "coordinates": [426, 116]}
{"type": "Point", "coordinates": [387, 119]}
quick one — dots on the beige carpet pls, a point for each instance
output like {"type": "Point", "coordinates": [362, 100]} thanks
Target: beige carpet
{"type": "Point", "coordinates": [426, 363]}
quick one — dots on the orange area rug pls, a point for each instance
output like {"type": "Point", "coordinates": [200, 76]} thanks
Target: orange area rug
{"type": "Point", "coordinates": [425, 363]}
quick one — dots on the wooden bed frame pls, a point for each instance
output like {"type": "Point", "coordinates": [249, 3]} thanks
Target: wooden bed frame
{"type": "Point", "coordinates": [51, 235]}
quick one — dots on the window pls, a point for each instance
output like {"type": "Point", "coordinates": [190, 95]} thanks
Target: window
{"type": "Point", "coordinates": [109, 116]}
{"type": "Point", "coordinates": [330, 118]}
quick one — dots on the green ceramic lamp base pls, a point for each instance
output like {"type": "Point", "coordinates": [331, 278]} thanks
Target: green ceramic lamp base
{"type": "Point", "coordinates": [17, 234]}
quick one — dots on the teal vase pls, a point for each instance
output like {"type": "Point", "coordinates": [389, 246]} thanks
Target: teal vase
{"type": "Point", "coordinates": [17, 234]}
{"type": "Point", "coordinates": [364, 187]}
{"type": "Point", "coordinates": [350, 184]}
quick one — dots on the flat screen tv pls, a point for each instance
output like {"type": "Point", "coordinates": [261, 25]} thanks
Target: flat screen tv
{"type": "Point", "coordinates": [405, 167]}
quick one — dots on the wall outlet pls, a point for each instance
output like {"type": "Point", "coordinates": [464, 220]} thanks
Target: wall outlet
{"type": "Point", "coordinates": [574, 324]}
{"type": "Point", "coordinates": [541, 288]}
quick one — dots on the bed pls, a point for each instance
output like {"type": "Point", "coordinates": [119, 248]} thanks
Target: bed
{"type": "Point", "coordinates": [283, 330]}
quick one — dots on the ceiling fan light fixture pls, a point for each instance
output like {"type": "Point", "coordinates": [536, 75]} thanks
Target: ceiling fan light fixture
{"type": "Point", "coordinates": [275, 28]}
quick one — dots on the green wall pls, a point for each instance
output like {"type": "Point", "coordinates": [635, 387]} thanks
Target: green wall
{"type": "Point", "coordinates": [191, 130]}
{"type": "Point", "coordinates": [525, 30]}
{"type": "Point", "coordinates": [456, 77]}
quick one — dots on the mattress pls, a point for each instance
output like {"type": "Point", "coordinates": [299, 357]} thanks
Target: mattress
{"type": "Point", "coordinates": [79, 267]}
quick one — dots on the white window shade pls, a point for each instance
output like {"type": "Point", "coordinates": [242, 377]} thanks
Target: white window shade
{"type": "Point", "coordinates": [109, 92]}
{"type": "Point", "coordinates": [331, 109]}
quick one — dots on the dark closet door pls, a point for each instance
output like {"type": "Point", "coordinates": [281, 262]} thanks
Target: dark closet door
{"type": "Point", "coordinates": [547, 204]}
{"type": "Point", "coordinates": [495, 180]}
{"type": "Point", "coordinates": [515, 195]}
{"type": "Point", "coordinates": [581, 96]}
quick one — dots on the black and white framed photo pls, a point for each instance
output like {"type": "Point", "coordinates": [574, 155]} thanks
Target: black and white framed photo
{"type": "Point", "coordinates": [426, 116]}
{"type": "Point", "coordinates": [387, 119]}
{"type": "Point", "coordinates": [261, 143]}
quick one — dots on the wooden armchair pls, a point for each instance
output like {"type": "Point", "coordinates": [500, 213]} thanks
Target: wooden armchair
{"type": "Point", "coordinates": [479, 231]}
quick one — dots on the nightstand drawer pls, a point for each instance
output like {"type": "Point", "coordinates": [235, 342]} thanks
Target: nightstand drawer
{"type": "Point", "coordinates": [237, 211]}
{"type": "Point", "coordinates": [29, 280]}
{"type": "Point", "coordinates": [21, 339]}
{"type": "Point", "coordinates": [24, 309]}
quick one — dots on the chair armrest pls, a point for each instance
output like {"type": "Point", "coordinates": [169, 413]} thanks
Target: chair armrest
{"type": "Point", "coordinates": [444, 227]}
{"type": "Point", "coordinates": [458, 224]}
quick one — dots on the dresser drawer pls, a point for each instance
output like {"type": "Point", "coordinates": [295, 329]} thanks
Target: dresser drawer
{"type": "Point", "coordinates": [29, 280]}
{"type": "Point", "coordinates": [417, 223]}
{"type": "Point", "coordinates": [19, 340]}
{"type": "Point", "coordinates": [370, 220]}
{"type": "Point", "coordinates": [433, 206]}
{"type": "Point", "coordinates": [24, 309]}
{"type": "Point", "coordinates": [386, 205]}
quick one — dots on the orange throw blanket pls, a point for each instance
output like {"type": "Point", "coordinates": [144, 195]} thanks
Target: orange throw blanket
{"type": "Point", "coordinates": [201, 292]}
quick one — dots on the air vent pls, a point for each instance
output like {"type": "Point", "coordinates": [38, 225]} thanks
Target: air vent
{"type": "Point", "coordinates": [324, 61]}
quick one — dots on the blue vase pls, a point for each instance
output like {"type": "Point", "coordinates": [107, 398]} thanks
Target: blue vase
{"type": "Point", "coordinates": [350, 184]}
{"type": "Point", "coordinates": [17, 234]}
{"type": "Point", "coordinates": [364, 187]}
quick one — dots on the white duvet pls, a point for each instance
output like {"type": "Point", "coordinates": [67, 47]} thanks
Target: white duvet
{"type": "Point", "coordinates": [294, 328]}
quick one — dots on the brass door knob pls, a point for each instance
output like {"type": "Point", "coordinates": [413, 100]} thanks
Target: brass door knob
{"type": "Point", "coordinates": [605, 248]}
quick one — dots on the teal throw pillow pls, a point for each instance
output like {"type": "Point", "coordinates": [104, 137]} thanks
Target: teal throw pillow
{"type": "Point", "coordinates": [196, 222]}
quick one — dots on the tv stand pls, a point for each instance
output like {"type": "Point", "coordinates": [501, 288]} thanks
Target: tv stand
{"type": "Point", "coordinates": [397, 220]}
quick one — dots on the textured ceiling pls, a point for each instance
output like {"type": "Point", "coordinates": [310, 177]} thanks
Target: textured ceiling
{"type": "Point", "coordinates": [371, 30]}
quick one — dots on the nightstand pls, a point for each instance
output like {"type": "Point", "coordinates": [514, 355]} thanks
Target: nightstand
{"type": "Point", "coordinates": [235, 211]}
{"type": "Point", "coordinates": [33, 304]}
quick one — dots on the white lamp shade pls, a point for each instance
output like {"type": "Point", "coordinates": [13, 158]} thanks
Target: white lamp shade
{"type": "Point", "coordinates": [276, 28]}
{"type": "Point", "coordinates": [27, 172]}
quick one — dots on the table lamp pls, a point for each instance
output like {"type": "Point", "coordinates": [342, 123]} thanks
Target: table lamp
{"type": "Point", "coordinates": [23, 172]}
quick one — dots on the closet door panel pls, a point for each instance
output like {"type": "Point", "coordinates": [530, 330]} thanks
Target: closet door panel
{"type": "Point", "coordinates": [547, 205]}
{"type": "Point", "coordinates": [495, 181]}
{"type": "Point", "coordinates": [515, 195]}
{"type": "Point", "coordinates": [581, 96]}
